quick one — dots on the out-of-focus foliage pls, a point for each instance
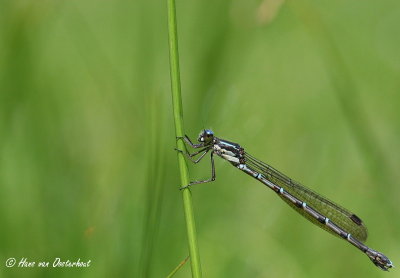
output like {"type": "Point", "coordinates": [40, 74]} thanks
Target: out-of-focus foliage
{"type": "Point", "coordinates": [87, 166]}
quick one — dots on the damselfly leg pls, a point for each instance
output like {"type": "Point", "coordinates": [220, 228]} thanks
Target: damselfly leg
{"type": "Point", "coordinates": [189, 142]}
{"type": "Point", "coordinates": [191, 155]}
{"type": "Point", "coordinates": [204, 151]}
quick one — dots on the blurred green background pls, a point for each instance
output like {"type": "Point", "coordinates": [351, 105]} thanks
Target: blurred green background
{"type": "Point", "coordinates": [87, 166]}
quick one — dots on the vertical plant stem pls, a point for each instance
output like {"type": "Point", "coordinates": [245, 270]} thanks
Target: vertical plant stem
{"type": "Point", "coordinates": [179, 131]}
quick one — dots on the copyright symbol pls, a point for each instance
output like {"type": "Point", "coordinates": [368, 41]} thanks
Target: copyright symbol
{"type": "Point", "coordinates": [10, 262]}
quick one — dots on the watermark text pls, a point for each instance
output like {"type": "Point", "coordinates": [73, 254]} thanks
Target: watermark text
{"type": "Point", "coordinates": [56, 263]}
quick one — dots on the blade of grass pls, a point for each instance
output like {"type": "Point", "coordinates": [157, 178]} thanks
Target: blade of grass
{"type": "Point", "coordinates": [154, 190]}
{"type": "Point", "coordinates": [182, 263]}
{"type": "Point", "coordinates": [179, 132]}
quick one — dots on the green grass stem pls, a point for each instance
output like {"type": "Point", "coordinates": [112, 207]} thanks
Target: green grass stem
{"type": "Point", "coordinates": [179, 131]}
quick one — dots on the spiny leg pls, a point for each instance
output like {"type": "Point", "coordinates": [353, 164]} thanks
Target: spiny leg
{"type": "Point", "coordinates": [189, 142]}
{"type": "Point", "coordinates": [190, 155]}
{"type": "Point", "coordinates": [201, 157]}
{"type": "Point", "coordinates": [212, 172]}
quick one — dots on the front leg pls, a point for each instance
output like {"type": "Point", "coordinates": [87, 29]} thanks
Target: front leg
{"type": "Point", "coordinates": [190, 143]}
{"type": "Point", "coordinates": [190, 155]}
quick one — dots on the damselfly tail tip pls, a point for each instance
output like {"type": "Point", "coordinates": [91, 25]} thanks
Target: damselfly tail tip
{"type": "Point", "coordinates": [380, 260]}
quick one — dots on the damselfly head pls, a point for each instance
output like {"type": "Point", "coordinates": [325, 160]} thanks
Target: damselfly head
{"type": "Point", "coordinates": [206, 136]}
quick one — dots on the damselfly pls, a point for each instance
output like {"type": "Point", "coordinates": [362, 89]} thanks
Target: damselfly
{"type": "Point", "coordinates": [317, 209]}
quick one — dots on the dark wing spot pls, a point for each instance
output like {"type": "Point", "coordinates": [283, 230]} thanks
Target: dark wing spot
{"type": "Point", "coordinates": [356, 219]}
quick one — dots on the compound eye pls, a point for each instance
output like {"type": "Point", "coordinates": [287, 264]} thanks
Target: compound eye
{"type": "Point", "coordinates": [208, 132]}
